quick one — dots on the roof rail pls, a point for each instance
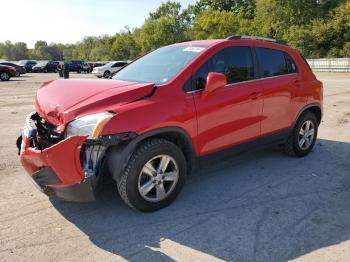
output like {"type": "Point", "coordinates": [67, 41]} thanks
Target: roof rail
{"type": "Point", "coordinates": [237, 37]}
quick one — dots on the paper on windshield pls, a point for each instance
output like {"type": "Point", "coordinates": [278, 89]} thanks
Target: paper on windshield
{"type": "Point", "coordinates": [195, 49]}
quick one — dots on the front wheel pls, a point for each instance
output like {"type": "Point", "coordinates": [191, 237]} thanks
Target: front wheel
{"type": "Point", "coordinates": [4, 76]}
{"type": "Point", "coordinates": [106, 74]}
{"type": "Point", "coordinates": [303, 138]}
{"type": "Point", "coordinates": [154, 175]}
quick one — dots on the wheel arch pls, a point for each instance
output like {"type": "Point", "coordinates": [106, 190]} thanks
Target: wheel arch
{"type": "Point", "coordinates": [118, 157]}
{"type": "Point", "coordinates": [314, 108]}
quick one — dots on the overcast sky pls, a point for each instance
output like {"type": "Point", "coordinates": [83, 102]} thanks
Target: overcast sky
{"type": "Point", "coordinates": [68, 21]}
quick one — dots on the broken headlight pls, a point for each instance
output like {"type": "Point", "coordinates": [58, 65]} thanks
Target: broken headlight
{"type": "Point", "coordinates": [90, 125]}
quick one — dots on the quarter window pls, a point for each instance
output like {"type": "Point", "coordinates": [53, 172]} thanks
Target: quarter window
{"type": "Point", "coordinates": [235, 62]}
{"type": "Point", "coordinates": [290, 64]}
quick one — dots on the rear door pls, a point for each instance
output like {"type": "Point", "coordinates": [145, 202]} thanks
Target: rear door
{"type": "Point", "coordinates": [230, 115]}
{"type": "Point", "coordinates": [279, 79]}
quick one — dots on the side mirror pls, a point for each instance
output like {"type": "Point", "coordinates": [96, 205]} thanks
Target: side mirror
{"type": "Point", "coordinates": [214, 81]}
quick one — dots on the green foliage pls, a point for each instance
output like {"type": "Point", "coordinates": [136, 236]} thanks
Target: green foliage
{"type": "Point", "coordinates": [15, 51]}
{"type": "Point", "coordinates": [318, 28]}
{"type": "Point", "coordinates": [212, 24]}
{"type": "Point", "coordinates": [167, 25]}
{"type": "Point", "coordinates": [244, 8]}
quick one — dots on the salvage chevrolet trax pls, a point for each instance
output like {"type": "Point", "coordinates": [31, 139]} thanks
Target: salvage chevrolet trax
{"type": "Point", "coordinates": [150, 125]}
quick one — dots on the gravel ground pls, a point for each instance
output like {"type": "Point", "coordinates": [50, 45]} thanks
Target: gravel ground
{"type": "Point", "coordinates": [260, 206]}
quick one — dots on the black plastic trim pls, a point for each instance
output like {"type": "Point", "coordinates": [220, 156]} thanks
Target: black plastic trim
{"type": "Point", "coordinates": [46, 176]}
{"type": "Point", "coordinates": [119, 156]}
{"type": "Point", "coordinates": [82, 192]}
{"type": "Point", "coordinates": [256, 144]}
{"type": "Point", "coordinates": [111, 140]}
{"type": "Point", "coordinates": [305, 108]}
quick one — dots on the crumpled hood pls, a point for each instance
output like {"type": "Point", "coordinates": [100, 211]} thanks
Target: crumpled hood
{"type": "Point", "coordinates": [60, 101]}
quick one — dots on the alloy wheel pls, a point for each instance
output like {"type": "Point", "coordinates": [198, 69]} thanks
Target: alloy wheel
{"type": "Point", "coordinates": [4, 76]}
{"type": "Point", "coordinates": [158, 178]}
{"type": "Point", "coordinates": [306, 135]}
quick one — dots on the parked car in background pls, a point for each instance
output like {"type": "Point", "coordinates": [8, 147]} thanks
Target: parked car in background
{"type": "Point", "coordinates": [6, 72]}
{"type": "Point", "coordinates": [95, 64]}
{"type": "Point", "coordinates": [74, 65]}
{"type": "Point", "coordinates": [20, 69]}
{"type": "Point", "coordinates": [28, 64]}
{"type": "Point", "coordinates": [158, 117]}
{"type": "Point", "coordinates": [46, 67]}
{"type": "Point", "coordinates": [85, 67]}
{"type": "Point", "coordinates": [108, 69]}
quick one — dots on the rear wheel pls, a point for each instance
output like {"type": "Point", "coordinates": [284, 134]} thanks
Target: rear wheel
{"type": "Point", "coordinates": [4, 76]}
{"type": "Point", "coordinates": [106, 74]}
{"type": "Point", "coordinates": [303, 138]}
{"type": "Point", "coordinates": [154, 175]}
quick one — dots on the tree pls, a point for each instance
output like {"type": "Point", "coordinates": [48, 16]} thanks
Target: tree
{"type": "Point", "coordinates": [168, 24]}
{"type": "Point", "coordinates": [41, 51]}
{"type": "Point", "coordinates": [124, 46]}
{"type": "Point", "coordinates": [244, 8]}
{"type": "Point", "coordinates": [275, 17]}
{"type": "Point", "coordinates": [212, 24]}
{"type": "Point", "coordinates": [319, 28]}
{"type": "Point", "coordinates": [16, 51]}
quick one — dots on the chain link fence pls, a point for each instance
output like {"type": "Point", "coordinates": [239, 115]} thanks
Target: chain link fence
{"type": "Point", "coordinates": [330, 65]}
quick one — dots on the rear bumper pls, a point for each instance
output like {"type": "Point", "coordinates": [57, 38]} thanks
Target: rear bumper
{"type": "Point", "coordinates": [56, 170]}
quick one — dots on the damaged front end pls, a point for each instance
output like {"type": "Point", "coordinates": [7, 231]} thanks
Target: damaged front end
{"type": "Point", "coordinates": [67, 167]}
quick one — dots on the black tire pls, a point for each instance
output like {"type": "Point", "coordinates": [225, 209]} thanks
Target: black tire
{"type": "Point", "coordinates": [4, 76]}
{"type": "Point", "coordinates": [106, 74]}
{"type": "Point", "coordinates": [128, 182]}
{"type": "Point", "coordinates": [78, 70]}
{"type": "Point", "coordinates": [292, 147]}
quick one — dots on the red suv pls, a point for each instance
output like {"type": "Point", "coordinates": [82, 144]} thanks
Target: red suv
{"type": "Point", "coordinates": [159, 116]}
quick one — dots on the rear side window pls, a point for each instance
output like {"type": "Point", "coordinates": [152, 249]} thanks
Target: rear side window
{"type": "Point", "coordinates": [273, 62]}
{"type": "Point", "coordinates": [292, 68]}
{"type": "Point", "coordinates": [119, 64]}
{"type": "Point", "coordinates": [235, 62]}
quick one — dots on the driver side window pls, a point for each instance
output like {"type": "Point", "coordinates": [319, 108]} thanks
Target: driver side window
{"type": "Point", "coordinates": [217, 63]}
{"type": "Point", "coordinates": [235, 62]}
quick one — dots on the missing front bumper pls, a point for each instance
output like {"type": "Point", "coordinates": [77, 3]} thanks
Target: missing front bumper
{"type": "Point", "coordinates": [81, 192]}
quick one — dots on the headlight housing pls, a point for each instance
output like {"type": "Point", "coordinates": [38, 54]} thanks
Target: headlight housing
{"type": "Point", "coordinates": [90, 125]}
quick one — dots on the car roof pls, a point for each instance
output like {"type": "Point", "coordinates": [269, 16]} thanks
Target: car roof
{"type": "Point", "coordinates": [259, 41]}
{"type": "Point", "coordinates": [200, 42]}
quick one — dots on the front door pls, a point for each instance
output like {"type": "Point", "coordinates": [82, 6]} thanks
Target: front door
{"type": "Point", "coordinates": [230, 115]}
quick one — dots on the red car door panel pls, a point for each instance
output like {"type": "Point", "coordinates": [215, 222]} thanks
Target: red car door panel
{"type": "Point", "coordinates": [228, 116]}
{"type": "Point", "coordinates": [278, 95]}
{"type": "Point", "coordinates": [231, 114]}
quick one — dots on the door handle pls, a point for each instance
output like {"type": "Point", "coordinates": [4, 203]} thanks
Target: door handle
{"type": "Point", "coordinates": [296, 82]}
{"type": "Point", "coordinates": [254, 95]}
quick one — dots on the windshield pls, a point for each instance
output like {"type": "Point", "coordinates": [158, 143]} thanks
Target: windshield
{"type": "Point", "coordinates": [21, 63]}
{"type": "Point", "coordinates": [42, 63]}
{"type": "Point", "coordinates": [159, 66]}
